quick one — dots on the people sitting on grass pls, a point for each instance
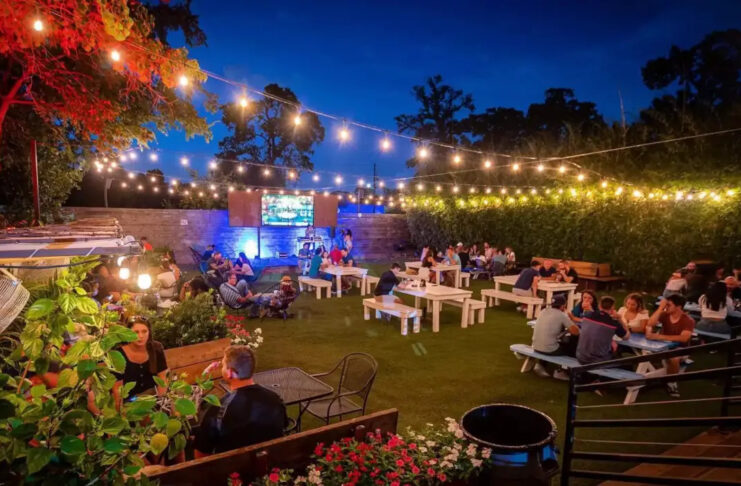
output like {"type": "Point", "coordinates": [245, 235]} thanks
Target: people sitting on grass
{"type": "Point", "coordinates": [526, 284]}
{"type": "Point", "coordinates": [677, 283]}
{"type": "Point", "coordinates": [387, 281]}
{"type": "Point", "coordinates": [633, 313]}
{"type": "Point", "coordinates": [237, 294]}
{"type": "Point", "coordinates": [554, 334]}
{"type": "Point", "coordinates": [193, 288]}
{"type": "Point", "coordinates": [248, 414]}
{"type": "Point", "coordinates": [243, 268]}
{"type": "Point", "coordinates": [598, 327]}
{"type": "Point", "coordinates": [676, 326]}
{"type": "Point", "coordinates": [166, 283]}
{"type": "Point", "coordinates": [145, 359]}
{"type": "Point", "coordinates": [547, 270]}
{"type": "Point", "coordinates": [714, 306]}
{"type": "Point", "coordinates": [280, 299]}
{"type": "Point", "coordinates": [587, 303]}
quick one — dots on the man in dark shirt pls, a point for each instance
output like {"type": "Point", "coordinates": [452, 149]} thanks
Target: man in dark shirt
{"type": "Point", "coordinates": [676, 326]}
{"type": "Point", "coordinates": [462, 254]}
{"type": "Point", "coordinates": [597, 329]}
{"type": "Point", "coordinates": [547, 271]}
{"type": "Point", "coordinates": [527, 281]}
{"type": "Point", "coordinates": [387, 281]}
{"type": "Point", "coordinates": [249, 414]}
{"type": "Point", "coordinates": [208, 253]}
{"type": "Point", "coordinates": [565, 273]}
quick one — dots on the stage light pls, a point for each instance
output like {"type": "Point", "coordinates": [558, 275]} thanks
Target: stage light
{"type": "Point", "coordinates": [144, 281]}
{"type": "Point", "coordinates": [183, 80]}
{"type": "Point", "coordinates": [315, 177]}
{"type": "Point", "coordinates": [124, 273]}
{"type": "Point", "coordinates": [423, 153]}
{"type": "Point", "coordinates": [38, 25]}
{"type": "Point", "coordinates": [541, 167]}
{"type": "Point", "coordinates": [184, 161]}
{"type": "Point", "coordinates": [487, 164]}
{"type": "Point", "coordinates": [153, 157]}
{"type": "Point", "coordinates": [338, 180]}
{"type": "Point", "coordinates": [385, 144]}
{"type": "Point", "coordinates": [213, 165]}
{"type": "Point", "coordinates": [115, 55]}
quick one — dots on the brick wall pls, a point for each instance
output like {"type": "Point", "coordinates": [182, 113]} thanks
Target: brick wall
{"type": "Point", "coordinates": [373, 234]}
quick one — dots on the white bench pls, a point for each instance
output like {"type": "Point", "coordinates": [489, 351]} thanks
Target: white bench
{"type": "Point", "coordinates": [533, 303]}
{"type": "Point", "coordinates": [316, 283]}
{"type": "Point", "coordinates": [403, 312]}
{"type": "Point", "coordinates": [567, 362]}
{"type": "Point", "coordinates": [469, 308]}
{"type": "Point", "coordinates": [465, 279]}
{"type": "Point", "coordinates": [368, 280]}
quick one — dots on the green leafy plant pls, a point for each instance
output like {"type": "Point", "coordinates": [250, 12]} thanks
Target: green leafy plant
{"type": "Point", "coordinates": [59, 420]}
{"type": "Point", "coordinates": [193, 321]}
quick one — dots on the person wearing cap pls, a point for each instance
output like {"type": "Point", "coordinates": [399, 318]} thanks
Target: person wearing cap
{"type": "Point", "coordinates": [554, 334]}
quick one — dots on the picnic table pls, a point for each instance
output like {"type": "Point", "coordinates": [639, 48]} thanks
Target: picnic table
{"type": "Point", "coordinates": [340, 272]}
{"type": "Point", "coordinates": [439, 269]}
{"type": "Point", "coordinates": [434, 294]}
{"type": "Point", "coordinates": [294, 386]}
{"type": "Point", "coordinates": [544, 285]}
{"type": "Point", "coordinates": [695, 307]}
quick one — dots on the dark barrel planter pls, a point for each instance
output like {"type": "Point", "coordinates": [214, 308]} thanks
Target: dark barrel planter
{"type": "Point", "coordinates": [521, 439]}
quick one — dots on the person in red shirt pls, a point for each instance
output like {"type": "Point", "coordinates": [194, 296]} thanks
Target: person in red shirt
{"type": "Point", "coordinates": [676, 326]}
{"type": "Point", "coordinates": [335, 255]}
{"type": "Point", "coordinates": [146, 245]}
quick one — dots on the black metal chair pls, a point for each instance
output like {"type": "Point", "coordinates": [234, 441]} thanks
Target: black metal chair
{"type": "Point", "coordinates": [352, 379]}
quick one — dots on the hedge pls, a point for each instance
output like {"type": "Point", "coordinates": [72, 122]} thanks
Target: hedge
{"type": "Point", "coordinates": [643, 239]}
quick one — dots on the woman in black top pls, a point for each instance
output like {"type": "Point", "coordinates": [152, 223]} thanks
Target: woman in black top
{"type": "Point", "coordinates": [145, 358]}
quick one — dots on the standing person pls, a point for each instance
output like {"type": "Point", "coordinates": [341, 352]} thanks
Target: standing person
{"type": "Point", "coordinates": [633, 313]}
{"type": "Point", "coordinates": [676, 326]}
{"type": "Point", "coordinates": [249, 413]}
{"type": "Point", "coordinates": [714, 305]}
{"type": "Point", "coordinates": [145, 359]}
{"type": "Point", "coordinates": [304, 256]}
{"type": "Point", "coordinates": [348, 241]}
{"type": "Point", "coordinates": [339, 239]}
{"type": "Point", "coordinates": [310, 232]}
{"type": "Point", "coordinates": [549, 335]}
{"type": "Point", "coordinates": [596, 333]}
{"type": "Point", "coordinates": [166, 281]}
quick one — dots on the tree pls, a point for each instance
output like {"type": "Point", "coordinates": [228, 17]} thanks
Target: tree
{"type": "Point", "coordinates": [438, 118]}
{"type": "Point", "coordinates": [266, 132]}
{"type": "Point", "coordinates": [561, 109]}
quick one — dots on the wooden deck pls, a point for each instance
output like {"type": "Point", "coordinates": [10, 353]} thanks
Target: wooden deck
{"type": "Point", "coordinates": [708, 444]}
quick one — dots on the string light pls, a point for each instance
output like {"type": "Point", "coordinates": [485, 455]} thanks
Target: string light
{"type": "Point", "coordinates": [488, 190]}
{"type": "Point", "coordinates": [171, 190]}
{"type": "Point", "coordinates": [156, 189]}
{"type": "Point", "coordinates": [457, 159]}
{"type": "Point", "coordinates": [212, 187]}
{"type": "Point", "coordinates": [381, 184]}
{"type": "Point", "coordinates": [243, 102]}
{"type": "Point", "coordinates": [124, 185]}
{"type": "Point", "coordinates": [133, 156]}
{"type": "Point", "coordinates": [193, 185]}
{"type": "Point", "coordinates": [344, 134]}
{"type": "Point", "coordinates": [361, 182]}
{"type": "Point", "coordinates": [122, 157]}
{"type": "Point", "coordinates": [153, 157]}
{"type": "Point", "coordinates": [455, 189]}
{"type": "Point", "coordinates": [400, 185]}
{"type": "Point", "coordinates": [183, 80]}
{"type": "Point", "coordinates": [518, 191]}
{"type": "Point", "coordinates": [266, 171]}
{"type": "Point", "coordinates": [216, 196]}
{"type": "Point", "coordinates": [315, 177]}
{"type": "Point", "coordinates": [291, 174]}
{"type": "Point", "coordinates": [174, 182]}
{"type": "Point", "coordinates": [213, 165]}
{"type": "Point", "coordinates": [153, 179]}
{"type": "Point", "coordinates": [297, 120]}
{"type": "Point", "coordinates": [114, 165]}
{"type": "Point", "coordinates": [187, 192]}
{"type": "Point", "coordinates": [131, 175]}
{"type": "Point", "coordinates": [533, 191]}
{"type": "Point", "coordinates": [503, 191]}
{"type": "Point", "coordinates": [515, 167]}
{"type": "Point", "coordinates": [338, 180]}
{"type": "Point", "coordinates": [184, 161]}
{"type": "Point", "coordinates": [471, 190]}
{"type": "Point", "coordinates": [730, 192]}
{"type": "Point", "coordinates": [240, 169]}
{"type": "Point", "coordinates": [422, 153]}
{"type": "Point", "coordinates": [438, 188]}
{"type": "Point", "coordinates": [326, 193]}
{"type": "Point", "coordinates": [385, 144]}
{"type": "Point", "coordinates": [38, 25]}
{"type": "Point", "coordinates": [200, 193]}
{"type": "Point", "coordinates": [140, 187]}
{"type": "Point", "coordinates": [541, 167]}
{"type": "Point", "coordinates": [580, 177]}
{"type": "Point", "coordinates": [603, 184]}
{"type": "Point", "coordinates": [619, 191]}
{"type": "Point", "coordinates": [420, 187]}
{"type": "Point", "coordinates": [487, 164]}
{"type": "Point", "coordinates": [562, 169]}
{"type": "Point", "coordinates": [115, 55]}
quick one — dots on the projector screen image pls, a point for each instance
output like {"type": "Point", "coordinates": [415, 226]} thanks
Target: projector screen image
{"type": "Point", "coordinates": [287, 210]}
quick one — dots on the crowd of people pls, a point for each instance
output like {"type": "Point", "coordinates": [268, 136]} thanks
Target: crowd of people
{"type": "Point", "coordinates": [489, 260]}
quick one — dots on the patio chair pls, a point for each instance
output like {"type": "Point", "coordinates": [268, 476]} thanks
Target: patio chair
{"type": "Point", "coordinates": [352, 379]}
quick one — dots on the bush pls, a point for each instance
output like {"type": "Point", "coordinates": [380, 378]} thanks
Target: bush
{"type": "Point", "coordinates": [192, 321]}
{"type": "Point", "coordinates": [646, 240]}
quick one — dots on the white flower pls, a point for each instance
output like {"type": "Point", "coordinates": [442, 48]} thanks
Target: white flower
{"type": "Point", "coordinates": [446, 465]}
{"type": "Point", "coordinates": [486, 453]}
{"type": "Point", "coordinates": [420, 437]}
{"type": "Point", "coordinates": [423, 449]}
{"type": "Point", "coordinates": [259, 339]}
{"type": "Point", "coordinates": [459, 434]}
{"type": "Point", "coordinates": [300, 480]}
{"type": "Point", "coordinates": [430, 443]}
{"type": "Point", "coordinates": [457, 447]}
{"type": "Point", "coordinates": [433, 461]}
{"type": "Point", "coordinates": [476, 462]}
{"type": "Point", "coordinates": [258, 331]}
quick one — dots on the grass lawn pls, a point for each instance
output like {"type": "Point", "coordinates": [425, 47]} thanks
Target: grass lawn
{"type": "Point", "coordinates": [432, 376]}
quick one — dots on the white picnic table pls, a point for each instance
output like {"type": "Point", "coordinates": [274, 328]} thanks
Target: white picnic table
{"type": "Point", "coordinates": [339, 272]}
{"type": "Point", "coordinates": [439, 269]}
{"type": "Point", "coordinates": [547, 286]}
{"type": "Point", "coordinates": [434, 294]}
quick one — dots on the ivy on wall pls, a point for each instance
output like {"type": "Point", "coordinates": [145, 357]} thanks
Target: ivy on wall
{"type": "Point", "coordinates": [644, 239]}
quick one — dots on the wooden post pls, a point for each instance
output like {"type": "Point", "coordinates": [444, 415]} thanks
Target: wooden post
{"type": "Point", "coordinates": [35, 185]}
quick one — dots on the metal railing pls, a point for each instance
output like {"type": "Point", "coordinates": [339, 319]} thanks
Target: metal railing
{"type": "Point", "coordinates": [730, 396]}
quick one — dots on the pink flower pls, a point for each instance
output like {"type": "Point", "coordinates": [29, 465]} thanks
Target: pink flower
{"type": "Point", "coordinates": [400, 463]}
{"type": "Point", "coordinates": [430, 472]}
{"type": "Point", "coordinates": [274, 477]}
{"type": "Point", "coordinates": [415, 470]}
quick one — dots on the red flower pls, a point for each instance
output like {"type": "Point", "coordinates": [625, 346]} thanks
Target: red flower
{"type": "Point", "coordinates": [338, 468]}
{"type": "Point", "coordinates": [319, 449]}
{"type": "Point", "coordinates": [412, 446]}
{"type": "Point", "coordinates": [431, 472]}
{"type": "Point", "coordinates": [400, 463]}
{"type": "Point", "coordinates": [274, 477]}
{"type": "Point", "coordinates": [395, 483]}
{"type": "Point", "coordinates": [442, 477]}
{"type": "Point", "coordinates": [415, 470]}
{"type": "Point", "coordinates": [328, 457]}
{"type": "Point", "coordinates": [234, 475]}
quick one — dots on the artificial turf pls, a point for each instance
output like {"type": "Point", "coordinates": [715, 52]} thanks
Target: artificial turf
{"type": "Point", "coordinates": [430, 376]}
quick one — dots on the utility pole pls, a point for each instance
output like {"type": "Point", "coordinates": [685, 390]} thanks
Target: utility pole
{"type": "Point", "coordinates": [35, 185]}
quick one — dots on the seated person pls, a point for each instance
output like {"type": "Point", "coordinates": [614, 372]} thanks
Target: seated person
{"type": "Point", "coordinates": [219, 265]}
{"type": "Point", "coordinates": [423, 254]}
{"type": "Point", "coordinates": [335, 256]}
{"type": "Point", "coordinates": [677, 283]}
{"type": "Point", "coordinates": [145, 359]}
{"type": "Point", "coordinates": [242, 267]}
{"type": "Point", "coordinates": [316, 265]}
{"type": "Point", "coordinates": [676, 326]}
{"type": "Point", "coordinates": [548, 335]}
{"type": "Point", "coordinates": [387, 281]}
{"type": "Point", "coordinates": [597, 330]}
{"type": "Point", "coordinates": [565, 273]}
{"type": "Point", "coordinates": [208, 253]}
{"type": "Point", "coordinates": [237, 295]}
{"type": "Point", "coordinates": [429, 262]}
{"type": "Point", "coordinates": [697, 284]}
{"type": "Point", "coordinates": [548, 271]}
{"type": "Point", "coordinates": [588, 303]}
{"type": "Point", "coordinates": [511, 258]}
{"type": "Point", "coordinates": [249, 414]}
{"type": "Point", "coordinates": [346, 260]}
{"type": "Point", "coordinates": [733, 287]}
{"type": "Point", "coordinates": [527, 281]}
{"type": "Point", "coordinates": [633, 313]}
{"type": "Point", "coordinates": [281, 298]}
{"type": "Point", "coordinates": [146, 245]}
{"type": "Point", "coordinates": [451, 258]}
{"type": "Point", "coordinates": [488, 252]}
{"type": "Point", "coordinates": [166, 282]}
{"type": "Point", "coordinates": [462, 255]}
{"type": "Point", "coordinates": [714, 305]}
{"type": "Point", "coordinates": [173, 264]}
{"type": "Point", "coordinates": [192, 288]}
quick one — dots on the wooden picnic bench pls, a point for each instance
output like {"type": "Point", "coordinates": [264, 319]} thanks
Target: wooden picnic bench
{"type": "Point", "coordinates": [194, 358]}
{"type": "Point", "coordinates": [255, 461]}
{"type": "Point", "coordinates": [533, 303]}
{"type": "Point", "coordinates": [589, 272]}
{"type": "Point", "coordinates": [567, 362]}
{"type": "Point", "coordinates": [469, 308]}
{"type": "Point", "coordinates": [403, 312]}
{"type": "Point", "coordinates": [315, 283]}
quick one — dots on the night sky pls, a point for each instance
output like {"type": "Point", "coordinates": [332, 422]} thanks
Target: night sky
{"type": "Point", "coordinates": [359, 60]}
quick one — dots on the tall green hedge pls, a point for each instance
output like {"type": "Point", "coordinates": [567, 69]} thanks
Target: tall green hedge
{"type": "Point", "coordinates": [644, 239]}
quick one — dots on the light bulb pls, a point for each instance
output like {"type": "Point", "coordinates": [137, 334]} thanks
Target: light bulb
{"type": "Point", "coordinates": [455, 189]}
{"type": "Point", "coordinates": [515, 167]}
{"type": "Point", "coordinates": [361, 182]}
{"type": "Point", "coordinates": [423, 153]}
{"type": "Point", "coordinates": [315, 177]}
{"type": "Point", "coordinates": [115, 55]}
{"type": "Point", "coordinates": [562, 169]}
{"type": "Point", "coordinates": [174, 182]}
{"type": "Point", "coordinates": [487, 164]}
{"type": "Point", "coordinates": [132, 156]}
{"type": "Point", "coordinates": [580, 177]}
{"type": "Point", "coordinates": [457, 159]}
{"type": "Point", "coordinates": [120, 260]}
{"type": "Point", "coordinates": [140, 187]}
{"type": "Point", "coordinates": [381, 184]}
{"type": "Point", "coordinates": [400, 185]}
{"type": "Point", "coordinates": [124, 185]}
{"type": "Point", "coordinates": [344, 134]}
{"type": "Point", "coordinates": [488, 190]}
{"type": "Point", "coordinates": [216, 196]}
{"type": "Point", "coordinates": [200, 193]}
{"type": "Point", "coordinates": [420, 187]}
{"type": "Point", "coordinates": [291, 174]}
{"type": "Point", "coordinates": [604, 184]}
{"type": "Point", "coordinates": [240, 169]}
{"type": "Point", "coordinates": [297, 120]}
{"type": "Point", "coordinates": [213, 164]}
{"type": "Point", "coordinates": [385, 144]}
{"type": "Point", "coordinates": [184, 161]}
{"type": "Point", "coordinates": [124, 273]}
{"type": "Point", "coordinates": [156, 189]}
{"type": "Point", "coordinates": [326, 193]}
{"type": "Point", "coordinates": [153, 179]}
{"type": "Point", "coordinates": [183, 80]}
{"type": "Point", "coordinates": [471, 190]}
{"type": "Point", "coordinates": [144, 281]}
{"type": "Point", "coordinates": [243, 102]}
{"type": "Point", "coordinates": [266, 171]}
{"type": "Point", "coordinates": [541, 167]}
{"type": "Point", "coordinates": [38, 25]}
{"type": "Point", "coordinates": [153, 157]}
{"type": "Point", "coordinates": [438, 188]}
{"type": "Point", "coordinates": [212, 187]}
{"type": "Point", "coordinates": [131, 175]}
{"type": "Point", "coordinates": [338, 180]}
{"type": "Point", "coordinates": [503, 191]}
{"type": "Point", "coordinates": [231, 188]}
{"type": "Point", "coordinates": [171, 190]}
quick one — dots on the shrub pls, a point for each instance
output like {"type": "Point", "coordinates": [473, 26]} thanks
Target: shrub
{"type": "Point", "coordinates": [193, 321]}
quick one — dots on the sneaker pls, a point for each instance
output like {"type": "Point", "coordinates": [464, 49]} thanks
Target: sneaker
{"type": "Point", "coordinates": [540, 370]}
{"type": "Point", "coordinates": [562, 375]}
{"type": "Point", "coordinates": [672, 389]}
